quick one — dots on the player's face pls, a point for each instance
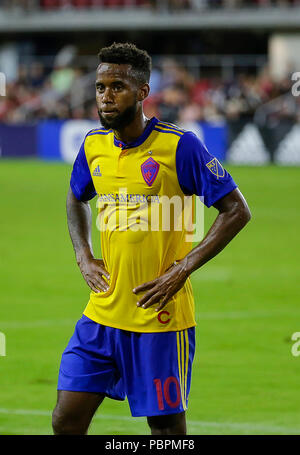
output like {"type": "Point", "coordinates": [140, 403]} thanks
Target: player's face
{"type": "Point", "coordinates": [116, 95]}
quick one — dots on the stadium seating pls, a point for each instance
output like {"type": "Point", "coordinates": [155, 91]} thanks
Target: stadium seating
{"type": "Point", "coordinates": [54, 4]}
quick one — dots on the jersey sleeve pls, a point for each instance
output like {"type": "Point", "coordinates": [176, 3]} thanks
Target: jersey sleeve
{"type": "Point", "coordinates": [199, 172]}
{"type": "Point", "coordinates": [81, 180]}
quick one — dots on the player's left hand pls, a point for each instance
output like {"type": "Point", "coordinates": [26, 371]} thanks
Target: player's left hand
{"type": "Point", "coordinates": [162, 288]}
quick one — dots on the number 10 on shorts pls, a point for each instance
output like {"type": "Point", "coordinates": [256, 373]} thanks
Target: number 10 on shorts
{"type": "Point", "coordinates": [163, 392]}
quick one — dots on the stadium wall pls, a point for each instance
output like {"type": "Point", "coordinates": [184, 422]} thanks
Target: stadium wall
{"type": "Point", "coordinates": [54, 140]}
{"type": "Point", "coordinates": [18, 141]}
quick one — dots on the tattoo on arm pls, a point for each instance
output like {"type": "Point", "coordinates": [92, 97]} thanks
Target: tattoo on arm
{"type": "Point", "coordinates": [79, 218]}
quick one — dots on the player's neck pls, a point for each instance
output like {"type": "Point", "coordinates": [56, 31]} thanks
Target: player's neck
{"type": "Point", "coordinates": [132, 131]}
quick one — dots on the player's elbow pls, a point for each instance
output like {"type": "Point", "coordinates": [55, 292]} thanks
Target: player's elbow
{"type": "Point", "coordinates": [243, 214]}
{"type": "Point", "coordinates": [248, 215]}
{"type": "Point", "coordinates": [240, 209]}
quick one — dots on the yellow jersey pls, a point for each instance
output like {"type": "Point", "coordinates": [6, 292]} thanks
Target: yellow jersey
{"type": "Point", "coordinates": [144, 192]}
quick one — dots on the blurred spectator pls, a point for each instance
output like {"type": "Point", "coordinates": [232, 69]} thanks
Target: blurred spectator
{"type": "Point", "coordinates": [176, 96]}
{"type": "Point", "coordinates": [189, 118]}
{"type": "Point", "coordinates": [172, 99]}
{"type": "Point", "coordinates": [173, 74]}
{"type": "Point", "coordinates": [77, 95]}
{"type": "Point", "coordinates": [155, 81]}
{"type": "Point", "coordinates": [36, 76]}
{"type": "Point", "coordinates": [63, 74]}
{"type": "Point", "coordinates": [155, 5]}
{"type": "Point", "coordinates": [62, 78]}
{"type": "Point", "coordinates": [20, 5]}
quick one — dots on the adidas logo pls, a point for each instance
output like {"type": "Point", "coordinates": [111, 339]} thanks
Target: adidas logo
{"type": "Point", "coordinates": [97, 172]}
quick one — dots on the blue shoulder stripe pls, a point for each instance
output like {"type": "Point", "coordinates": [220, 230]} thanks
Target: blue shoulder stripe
{"type": "Point", "coordinates": [170, 126]}
{"type": "Point", "coordinates": [101, 132]}
{"type": "Point", "coordinates": [177, 133]}
{"type": "Point", "coordinates": [94, 130]}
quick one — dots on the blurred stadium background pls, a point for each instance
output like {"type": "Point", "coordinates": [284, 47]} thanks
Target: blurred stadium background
{"type": "Point", "coordinates": [222, 68]}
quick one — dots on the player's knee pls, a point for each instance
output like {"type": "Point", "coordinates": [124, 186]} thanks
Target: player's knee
{"type": "Point", "coordinates": [60, 422]}
{"type": "Point", "coordinates": [64, 423]}
{"type": "Point", "coordinates": [168, 424]}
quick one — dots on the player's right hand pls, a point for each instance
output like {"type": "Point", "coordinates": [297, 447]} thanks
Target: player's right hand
{"type": "Point", "coordinates": [93, 271]}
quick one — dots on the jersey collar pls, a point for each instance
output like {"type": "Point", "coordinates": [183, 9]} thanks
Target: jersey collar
{"type": "Point", "coordinates": [146, 133]}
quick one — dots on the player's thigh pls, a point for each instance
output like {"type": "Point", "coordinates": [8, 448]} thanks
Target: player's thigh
{"type": "Point", "coordinates": [75, 409]}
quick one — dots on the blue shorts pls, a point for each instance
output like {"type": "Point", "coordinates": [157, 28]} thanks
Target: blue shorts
{"type": "Point", "coordinates": [152, 369]}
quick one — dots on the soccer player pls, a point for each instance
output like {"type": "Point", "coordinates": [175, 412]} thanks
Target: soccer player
{"type": "Point", "coordinates": [136, 337]}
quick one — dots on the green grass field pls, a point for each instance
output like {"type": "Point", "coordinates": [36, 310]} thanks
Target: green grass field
{"type": "Point", "coordinates": [245, 379]}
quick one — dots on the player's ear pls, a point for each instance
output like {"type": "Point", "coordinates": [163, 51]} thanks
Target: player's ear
{"type": "Point", "coordinates": [143, 92]}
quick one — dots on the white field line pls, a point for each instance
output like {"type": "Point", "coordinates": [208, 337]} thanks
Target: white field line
{"type": "Point", "coordinates": [199, 425]}
{"type": "Point", "coordinates": [36, 324]}
{"type": "Point", "coordinates": [201, 316]}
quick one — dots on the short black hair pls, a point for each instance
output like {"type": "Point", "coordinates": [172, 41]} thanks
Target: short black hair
{"type": "Point", "coordinates": [128, 53]}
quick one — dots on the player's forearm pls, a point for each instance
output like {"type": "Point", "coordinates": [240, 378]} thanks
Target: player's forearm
{"type": "Point", "coordinates": [229, 222]}
{"type": "Point", "coordinates": [79, 224]}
